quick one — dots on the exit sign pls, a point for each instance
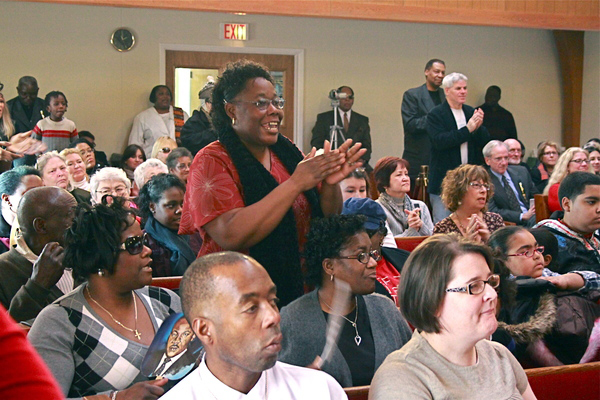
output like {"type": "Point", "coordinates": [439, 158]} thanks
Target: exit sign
{"type": "Point", "coordinates": [234, 31]}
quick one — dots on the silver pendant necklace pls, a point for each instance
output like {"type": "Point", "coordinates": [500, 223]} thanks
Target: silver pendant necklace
{"type": "Point", "coordinates": [357, 338]}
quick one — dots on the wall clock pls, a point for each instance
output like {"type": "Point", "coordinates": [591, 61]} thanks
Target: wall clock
{"type": "Point", "coordinates": [122, 39]}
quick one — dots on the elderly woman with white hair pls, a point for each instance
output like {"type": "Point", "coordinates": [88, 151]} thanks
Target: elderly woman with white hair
{"type": "Point", "coordinates": [54, 171]}
{"type": "Point", "coordinates": [147, 170]}
{"type": "Point", "coordinates": [110, 181]}
{"type": "Point", "coordinates": [457, 137]}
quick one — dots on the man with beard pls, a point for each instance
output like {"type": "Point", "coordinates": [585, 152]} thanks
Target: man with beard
{"type": "Point", "coordinates": [231, 303]}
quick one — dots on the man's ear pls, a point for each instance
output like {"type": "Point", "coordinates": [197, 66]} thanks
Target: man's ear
{"type": "Point", "coordinates": [39, 225]}
{"type": "Point", "coordinates": [202, 328]}
{"type": "Point", "coordinates": [566, 204]}
{"type": "Point", "coordinates": [4, 196]}
{"type": "Point", "coordinates": [487, 160]}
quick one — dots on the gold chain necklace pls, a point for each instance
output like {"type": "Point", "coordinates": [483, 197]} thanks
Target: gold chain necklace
{"type": "Point", "coordinates": [136, 333]}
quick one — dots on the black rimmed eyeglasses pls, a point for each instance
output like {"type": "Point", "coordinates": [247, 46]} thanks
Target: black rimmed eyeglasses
{"type": "Point", "coordinates": [477, 287]}
{"type": "Point", "coordinates": [363, 257]}
{"type": "Point", "coordinates": [134, 244]}
{"type": "Point", "coordinates": [263, 104]}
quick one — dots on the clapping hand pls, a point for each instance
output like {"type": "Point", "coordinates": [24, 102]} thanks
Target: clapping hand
{"type": "Point", "coordinates": [414, 218]}
{"type": "Point", "coordinates": [351, 161]}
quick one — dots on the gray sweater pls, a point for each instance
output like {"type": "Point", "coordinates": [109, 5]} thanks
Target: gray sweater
{"type": "Point", "coordinates": [303, 326]}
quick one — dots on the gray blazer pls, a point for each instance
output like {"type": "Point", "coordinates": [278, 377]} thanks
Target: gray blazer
{"type": "Point", "coordinates": [416, 104]}
{"type": "Point", "coordinates": [303, 326]}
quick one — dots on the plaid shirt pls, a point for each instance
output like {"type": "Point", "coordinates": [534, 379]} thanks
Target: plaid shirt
{"type": "Point", "coordinates": [592, 279]}
{"type": "Point", "coordinates": [85, 355]}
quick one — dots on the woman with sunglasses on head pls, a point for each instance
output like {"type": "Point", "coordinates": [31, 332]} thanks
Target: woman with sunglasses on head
{"type": "Point", "coordinates": [339, 248]}
{"type": "Point", "coordinates": [466, 191]}
{"type": "Point", "coordinates": [447, 292]}
{"type": "Point", "coordinates": [547, 154]}
{"type": "Point", "coordinates": [163, 146]}
{"type": "Point", "coordinates": [253, 190]}
{"type": "Point", "coordinates": [572, 160]}
{"type": "Point", "coordinates": [95, 338]}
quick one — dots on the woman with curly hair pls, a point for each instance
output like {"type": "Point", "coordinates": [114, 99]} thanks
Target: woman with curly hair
{"type": "Point", "coordinates": [338, 247]}
{"type": "Point", "coordinates": [572, 160]}
{"type": "Point", "coordinates": [160, 203]}
{"type": "Point", "coordinates": [95, 338]}
{"type": "Point", "coordinates": [466, 191]}
{"type": "Point", "coordinates": [253, 191]}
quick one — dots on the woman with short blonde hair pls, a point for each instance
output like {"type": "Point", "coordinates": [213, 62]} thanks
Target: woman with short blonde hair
{"type": "Point", "coordinates": [572, 160]}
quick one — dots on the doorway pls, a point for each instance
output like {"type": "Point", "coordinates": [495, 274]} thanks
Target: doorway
{"type": "Point", "coordinates": [187, 71]}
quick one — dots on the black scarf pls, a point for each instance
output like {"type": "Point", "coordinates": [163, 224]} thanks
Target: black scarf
{"type": "Point", "coordinates": [279, 252]}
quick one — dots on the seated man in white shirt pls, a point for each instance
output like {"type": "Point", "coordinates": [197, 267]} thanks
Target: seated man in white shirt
{"type": "Point", "coordinates": [231, 303]}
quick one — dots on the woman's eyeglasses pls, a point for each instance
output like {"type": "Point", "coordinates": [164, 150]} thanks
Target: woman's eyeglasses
{"type": "Point", "coordinates": [479, 186]}
{"type": "Point", "coordinates": [363, 257]}
{"type": "Point", "coordinates": [579, 161]}
{"type": "Point", "coordinates": [135, 244]}
{"type": "Point", "coordinates": [166, 150]}
{"type": "Point", "coordinates": [263, 104]}
{"type": "Point", "coordinates": [477, 287]}
{"type": "Point", "coordinates": [528, 253]}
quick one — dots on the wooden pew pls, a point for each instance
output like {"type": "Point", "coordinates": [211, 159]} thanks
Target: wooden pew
{"type": "Point", "coordinates": [357, 392]}
{"type": "Point", "coordinates": [578, 381]}
{"type": "Point", "coordinates": [169, 282]}
{"type": "Point", "coordinates": [541, 207]}
{"type": "Point", "coordinates": [409, 243]}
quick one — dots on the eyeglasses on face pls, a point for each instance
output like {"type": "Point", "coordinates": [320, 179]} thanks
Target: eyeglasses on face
{"type": "Point", "coordinates": [550, 153]}
{"type": "Point", "coordinates": [165, 150]}
{"type": "Point", "coordinates": [477, 287]}
{"type": "Point", "coordinates": [528, 253]}
{"type": "Point", "coordinates": [117, 191]}
{"type": "Point", "coordinates": [135, 244]}
{"type": "Point", "coordinates": [363, 257]}
{"type": "Point", "coordinates": [183, 166]}
{"type": "Point", "coordinates": [580, 161]}
{"type": "Point", "coordinates": [263, 104]}
{"type": "Point", "coordinates": [479, 186]}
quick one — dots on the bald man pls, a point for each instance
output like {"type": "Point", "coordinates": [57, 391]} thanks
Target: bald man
{"type": "Point", "coordinates": [31, 274]}
{"type": "Point", "coordinates": [231, 303]}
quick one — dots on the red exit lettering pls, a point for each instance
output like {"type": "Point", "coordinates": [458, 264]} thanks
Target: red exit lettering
{"type": "Point", "coordinates": [234, 31]}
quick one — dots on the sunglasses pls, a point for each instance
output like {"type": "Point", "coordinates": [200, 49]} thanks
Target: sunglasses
{"type": "Point", "coordinates": [166, 149]}
{"type": "Point", "coordinates": [135, 244]}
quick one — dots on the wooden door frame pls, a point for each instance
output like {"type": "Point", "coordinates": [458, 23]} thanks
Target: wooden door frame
{"type": "Point", "coordinates": [298, 54]}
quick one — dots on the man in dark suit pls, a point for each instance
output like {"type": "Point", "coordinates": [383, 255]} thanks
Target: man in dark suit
{"type": "Point", "coordinates": [178, 358]}
{"type": "Point", "coordinates": [354, 126]}
{"type": "Point", "coordinates": [26, 110]}
{"type": "Point", "coordinates": [31, 274]}
{"type": "Point", "coordinates": [457, 137]}
{"type": "Point", "coordinates": [416, 104]}
{"type": "Point", "coordinates": [513, 187]}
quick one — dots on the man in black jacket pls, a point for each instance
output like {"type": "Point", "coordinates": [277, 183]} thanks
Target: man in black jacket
{"type": "Point", "coordinates": [355, 126]}
{"type": "Point", "coordinates": [457, 137]}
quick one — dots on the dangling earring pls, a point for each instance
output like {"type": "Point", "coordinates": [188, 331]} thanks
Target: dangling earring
{"type": "Point", "coordinates": [233, 121]}
{"type": "Point", "coordinates": [331, 277]}
{"type": "Point", "coordinates": [100, 273]}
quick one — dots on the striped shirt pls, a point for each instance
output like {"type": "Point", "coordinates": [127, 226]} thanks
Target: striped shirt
{"type": "Point", "coordinates": [57, 135]}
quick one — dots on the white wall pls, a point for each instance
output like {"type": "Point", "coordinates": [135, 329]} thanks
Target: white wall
{"type": "Point", "coordinates": [67, 48]}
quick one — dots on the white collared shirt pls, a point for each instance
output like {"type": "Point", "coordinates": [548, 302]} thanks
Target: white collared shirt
{"type": "Point", "coordinates": [282, 382]}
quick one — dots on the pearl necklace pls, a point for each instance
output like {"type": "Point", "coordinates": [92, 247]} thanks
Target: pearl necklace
{"type": "Point", "coordinates": [137, 333]}
{"type": "Point", "coordinates": [357, 338]}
